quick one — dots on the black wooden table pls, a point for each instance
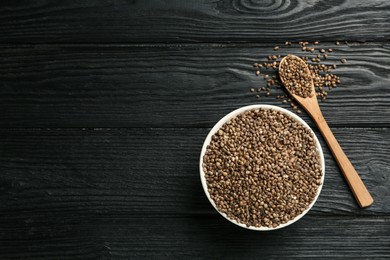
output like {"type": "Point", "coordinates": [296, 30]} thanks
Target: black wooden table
{"type": "Point", "coordinates": [105, 106]}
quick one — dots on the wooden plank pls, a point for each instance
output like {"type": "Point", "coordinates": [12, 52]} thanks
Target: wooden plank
{"type": "Point", "coordinates": [171, 86]}
{"type": "Point", "coordinates": [100, 21]}
{"type": "Point", "coordinates": [154, 172]}
{"type": "Point", "coordinates": [113, 235]}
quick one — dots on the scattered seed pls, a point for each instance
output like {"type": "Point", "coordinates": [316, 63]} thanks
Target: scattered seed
{"type": "Point", "coordinates": [257, 72]}
{"type": "Point", "coordinates": [337, 43]}
{"type": "Point", "coordinates": [343, 61]}
{"type": "Point", "coordinates": [276, 48]}
{"type": "Point", "coordinates": [321, 73]}
{"type": "Point", "coordinates": [252, 90]}
{"type": "Point", "coordinates": [316, 42]}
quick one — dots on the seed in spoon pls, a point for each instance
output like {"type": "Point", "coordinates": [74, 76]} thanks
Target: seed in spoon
{"type": "Point", "coordinates": [296, 76]}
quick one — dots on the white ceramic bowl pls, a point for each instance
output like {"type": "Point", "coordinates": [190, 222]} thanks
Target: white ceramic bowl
{"type": "Point", "coordinates": [234, 114]}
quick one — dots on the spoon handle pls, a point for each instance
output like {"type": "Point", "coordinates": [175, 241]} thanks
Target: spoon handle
{"type": "Point", "coordinates": [356, 184]}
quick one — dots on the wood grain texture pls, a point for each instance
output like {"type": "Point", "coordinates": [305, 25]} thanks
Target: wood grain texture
{"type": "Point", "coordinates": [154, 172]}
{"type": "Point", "coordinates": [112, 236]}
{"type": "Point", "coordinates": [171, 86]}
{"type": "Point", "coordinates": [105, 105]}
{"type": "Point", "coordinates": [124, 21]}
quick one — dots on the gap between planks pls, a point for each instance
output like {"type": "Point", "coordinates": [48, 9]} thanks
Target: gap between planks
{"type": "Point", "coordinates": [178, 44]}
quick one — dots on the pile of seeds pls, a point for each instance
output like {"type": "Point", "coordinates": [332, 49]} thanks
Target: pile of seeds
{"type": "Point", "coordinates": [317, 60]}
{"type": "Point", "coordinates": [262, 168]}
{"type": "Point", "coordinates": [295, 76]}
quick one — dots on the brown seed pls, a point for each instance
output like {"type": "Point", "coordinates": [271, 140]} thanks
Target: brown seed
{"type": "Point", "coordinates": [337, 43]}
{"type": "Point", "coordinates": [343, 61]}
{"type": "Point", "coordinates": [294, 74]}
{"type": "Point", "coordinates": [316, 42]}
{"type": "Point", "coordinates": [235, 193]}
{"type": "Point", "coordinates": [257, 72]}
{"type": "Point", "coordinates": [276, 48]}
{"type": "Point", "coordinates": [252, 90]}
{"type": "Point", "coordinates": [316, 69]}
{"type": "Point", "coordinates": [330, 50]}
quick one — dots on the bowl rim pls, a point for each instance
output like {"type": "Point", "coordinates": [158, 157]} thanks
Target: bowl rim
{"type": "Point", "coordinates": [229, 116]}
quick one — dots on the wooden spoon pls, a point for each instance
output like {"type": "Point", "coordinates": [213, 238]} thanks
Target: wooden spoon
{"type": "Point", "coordinates": [310, 104]}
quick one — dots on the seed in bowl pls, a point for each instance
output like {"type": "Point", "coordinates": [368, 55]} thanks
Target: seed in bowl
{"type": "Point", "coordinates": [262, 168]}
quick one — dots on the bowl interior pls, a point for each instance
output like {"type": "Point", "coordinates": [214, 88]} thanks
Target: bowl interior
{"type": "Point", "coordinates": [234, 114]}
